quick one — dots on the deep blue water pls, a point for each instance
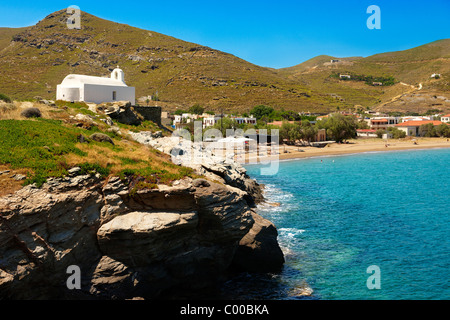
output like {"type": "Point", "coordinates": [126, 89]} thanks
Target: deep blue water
{"type": "Point", "coordinates": [340, 215]}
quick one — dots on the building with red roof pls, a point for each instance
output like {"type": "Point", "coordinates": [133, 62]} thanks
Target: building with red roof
{"type": "Point", "coordinates": [412, 127]}
{"type": "Point", "coordinates": [446, 118]}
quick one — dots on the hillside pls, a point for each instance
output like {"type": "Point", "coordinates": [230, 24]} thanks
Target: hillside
{"type": "Point", "coordinates": [37, 58]}
{"type": "Point", "coordinates": [411, 69]}
{"type": "Point", "coordinates": [33, 60]}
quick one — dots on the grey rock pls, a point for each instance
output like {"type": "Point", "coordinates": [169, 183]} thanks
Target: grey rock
{"type": "Point", "coordinates": [108, 121]}
{"type": "Point", "coordinates": [74, 170]}
{"type": "Point", "coordinates": [157, 134]}
{"type": "Point", "coordinates": [84, 118]}
{"type": "Point", "coordinates": [200, 183]}
{"type": "Point", "coordinates": [101, 137]}
{"type": "Point", "coordinates": [259, 250]}
{"type": "Point", "coordinates": [123, 112]}
{"type": "Point", "coordinates": [18, 177]}
{"type": "Point", "coordinates": [148, 244]}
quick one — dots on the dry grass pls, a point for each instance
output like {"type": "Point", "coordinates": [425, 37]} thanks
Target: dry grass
{"type": "Point", "coordinates": [124, 155]}
{"type": "Point", "coordinates": [12, 111]}
{"type": "Point", "coordinates": [7, 184]}
{"type": "Point", "coordinates": [54, 148]}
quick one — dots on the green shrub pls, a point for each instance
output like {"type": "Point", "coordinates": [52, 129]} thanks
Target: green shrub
{"type": "Point", "coordinates": [5, 98]}
{"type": "Point", "coordinates": [31, 113]}
{"type": "Point", "coordinates": [93, 168]}
{"type": "Point", "coordinates": [37, 145]}
{"type": "Point", "coordinates": [380, 133]}
{"type": "Point", "coordinates": [397, 133]}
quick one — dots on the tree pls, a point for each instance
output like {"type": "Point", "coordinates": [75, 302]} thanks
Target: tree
{"type": "Point", "coordinates": [396, 133]}
{"type": "Point", "coordinates": [196, 109]}
{"type": "Point", "coordinates": [309, 132]}
{"type": "Point", "coordinates": [427, 130]}
{"type": "Point", "coordinates": [261, 111]}
{"type": "Point", "coordinates": [290, 115]}
{"type": "Point", "coordinates": [179, 112]}
{"type": "Point", "coordinates": [290, 131]}
{"type": "Point", "coordinates": [380, 133]}
{"type": "Point", "coordinates": [339, 127]}
{"type": "Point", "coordinates": [224, 124]}
{"type": "Point", "coordinates": [363, 125]}
{"type": "Point", "coordinates": [443, 130]}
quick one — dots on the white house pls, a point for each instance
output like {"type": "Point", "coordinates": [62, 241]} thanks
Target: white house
{"type": "Point", "coordinates": [411, 128]}
{"type": "Point", "coordinates": [376, 123]}
{"type": "Point", "coordinates": [77, 87]}
{"type": "Point", "coordinates": [446, 118]}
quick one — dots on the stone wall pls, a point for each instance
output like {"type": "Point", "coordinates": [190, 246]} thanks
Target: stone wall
{"type": "Point", "coordinates": [150, 113]}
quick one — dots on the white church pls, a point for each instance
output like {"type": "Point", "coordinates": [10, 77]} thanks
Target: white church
{"type": "Point", "coordinates": [77, 87]}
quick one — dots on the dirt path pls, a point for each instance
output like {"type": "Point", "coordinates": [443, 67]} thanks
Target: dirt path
{"type": "Point", "coordinates": [413, 88]}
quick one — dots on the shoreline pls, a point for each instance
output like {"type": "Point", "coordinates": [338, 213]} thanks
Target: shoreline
{"type": "Point", "coordinates": [354, 147]}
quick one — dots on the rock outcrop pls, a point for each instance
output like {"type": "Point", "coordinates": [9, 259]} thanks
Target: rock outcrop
{"type": "Point", "coordinates": [155, 243]}
{"type": "Point", "coordinates": [213, 167]}
{"type": "Point", "coordinates": [258, 250]}
{"type": "Point", "coordinates": [121, 111]}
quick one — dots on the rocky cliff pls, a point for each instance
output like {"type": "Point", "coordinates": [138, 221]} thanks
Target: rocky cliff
{"type": "Point", "coordinates": [170, 241]}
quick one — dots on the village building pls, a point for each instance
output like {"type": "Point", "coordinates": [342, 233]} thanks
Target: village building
{"type": "Point", "coordinates": [383, 123]}
{"type": "Point", "coordinates": [406, 119]}
{"type": "Point", "coordinates": [446, 118]}
{"type": "Point", "coordinates": [411, 128]}
{"type": "Point", "coordinates": [246, 120]}
{"type": "Point", "coordinates": [92, 89]}
{"type": "Point", "coordinates": [212, 120]}
{"type": "Point", "coordinates": [366, 133]}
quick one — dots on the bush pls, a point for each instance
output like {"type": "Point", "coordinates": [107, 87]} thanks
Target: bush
{"type": "Point", "coordinates": [443, 130]}
{"type": "Point", "coordinates": [427, 130]}
{"type": "Point", "coordinates": [380, 133]}
{"type": "Point", "coordinates": [339, 127]}
{"type": "Point", "coordinates": [196, 109]}
{"type": "Point", "coordinates": [31, 113]}
{"type": "Point", "coordinates": [5, 98]}
{"type": "Point", "coordinates": [261, 111]}
{"type": "Point", "coordinates": [7, 107]}
{"type": "Point", "coordinates": [397, 133]}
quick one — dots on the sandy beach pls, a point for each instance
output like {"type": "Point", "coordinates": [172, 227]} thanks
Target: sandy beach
{"type": "Point", "coordinates": [358, 146]}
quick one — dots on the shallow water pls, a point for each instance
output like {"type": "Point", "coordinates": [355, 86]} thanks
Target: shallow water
{"type": "Point", "coordinates": [340, 215]}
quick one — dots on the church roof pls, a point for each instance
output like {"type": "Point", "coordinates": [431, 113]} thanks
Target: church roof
{"type": "Point", "coordinates": [77, 79]}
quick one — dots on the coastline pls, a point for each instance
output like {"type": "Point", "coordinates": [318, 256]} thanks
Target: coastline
{"type": "Point", "coordinates": [356, 147]}
{"type": "Point", "coordinates": [288, 215]}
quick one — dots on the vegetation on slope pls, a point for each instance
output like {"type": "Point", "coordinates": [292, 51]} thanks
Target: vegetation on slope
{"type": "Point", "coordinates": [33, 60]}
{"type": "Point", "coordinates": [48, 147]}
{"type": "Point", "coordinates": [178, 72]}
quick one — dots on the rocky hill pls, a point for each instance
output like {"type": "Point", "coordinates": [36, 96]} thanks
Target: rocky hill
{"type": "Point", "coordinates": [411, 70]}
{"type": "Point", "coordinates": [37, 58]}
{"type": "Point", "coordinates": [33, 60]}
{"type": "Point", "coordinates": [172, 242]}
{"type": "Point", "coordinates": [77, 189]}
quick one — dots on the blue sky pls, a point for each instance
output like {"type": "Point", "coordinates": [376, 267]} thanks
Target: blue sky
{"type": "Point", "coordinates": [274, 34]}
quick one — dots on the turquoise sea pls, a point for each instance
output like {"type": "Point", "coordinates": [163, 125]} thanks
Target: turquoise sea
{"type": "Point", "coordinates": [340, 215]}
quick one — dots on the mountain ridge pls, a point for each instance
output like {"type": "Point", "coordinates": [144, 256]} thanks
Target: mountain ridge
{"type": "Point", "coordinates": [182, 73]}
